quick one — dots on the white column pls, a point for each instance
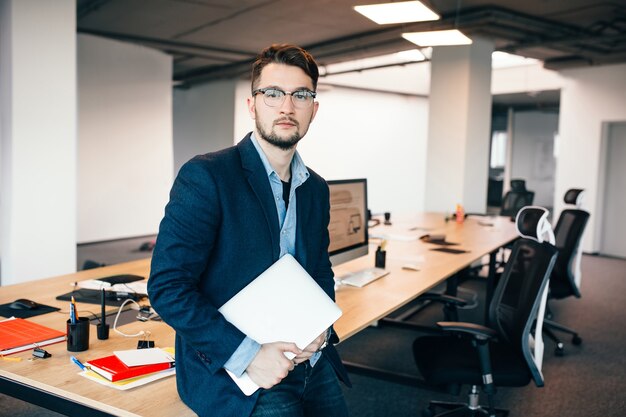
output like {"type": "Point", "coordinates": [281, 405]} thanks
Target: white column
{"type": "Point", "coordinates": [459, 127]}
{"type": "Point", "coordinates": [38, 139]}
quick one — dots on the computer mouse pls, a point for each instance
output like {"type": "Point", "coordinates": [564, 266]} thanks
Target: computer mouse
{"type": "Point", "coordinates": [23, 304]}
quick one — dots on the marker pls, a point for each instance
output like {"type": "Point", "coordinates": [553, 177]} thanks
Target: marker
{"type": "Point", "coordinates": [102, 303]}
{"type": "Point", "coordinates": [78, 363]}
{"type": "Point", "coordinates": [75, 309]}
{"type": "Point", "coordinates": [103, 327]}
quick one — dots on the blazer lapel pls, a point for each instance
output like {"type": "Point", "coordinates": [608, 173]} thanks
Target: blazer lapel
{"type": "Point", "coordinates": [257, 178]}
{"type": "Point", "coordinates": [303, 203]}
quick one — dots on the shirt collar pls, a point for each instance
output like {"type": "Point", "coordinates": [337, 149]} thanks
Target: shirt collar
{"type": "Point", "coordinates": [299, 172]}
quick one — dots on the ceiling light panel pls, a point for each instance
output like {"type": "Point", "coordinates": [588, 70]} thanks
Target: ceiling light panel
{"type": "Point", "coordinates": [437, 38]}
{"type": "Point", "coordinates": [399, 12]}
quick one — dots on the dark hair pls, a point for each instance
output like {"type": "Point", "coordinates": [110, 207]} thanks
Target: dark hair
{"type": "Point", "coordinates": [285, 54]}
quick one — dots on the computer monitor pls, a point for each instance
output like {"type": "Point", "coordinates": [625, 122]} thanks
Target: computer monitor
{"type": "Point", "coordinates": [348, 220]}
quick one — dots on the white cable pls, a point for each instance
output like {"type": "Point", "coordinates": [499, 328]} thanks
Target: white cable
{"type": "Point", "coordinates": [117, 316]}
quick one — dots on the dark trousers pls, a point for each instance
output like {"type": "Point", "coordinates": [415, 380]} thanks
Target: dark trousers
{"type": "Point", "coordinates": [306, 392]}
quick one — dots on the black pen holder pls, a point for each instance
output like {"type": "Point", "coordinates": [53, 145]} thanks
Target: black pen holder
{"type": "Point", "coordinates": [78, 335]}
{"type": "Point", "coordinates": [380, 258]}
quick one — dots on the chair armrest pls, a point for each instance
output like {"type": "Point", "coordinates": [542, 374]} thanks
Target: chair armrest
{"type": "Point", "coordinates": [475, 330]}
{"type": "Point", "coordinates": [443, 298]}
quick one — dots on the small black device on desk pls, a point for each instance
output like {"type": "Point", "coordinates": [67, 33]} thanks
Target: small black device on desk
{"type": "Point", "coordinates": [112, 298]}
{"type": "Point", "coordinates": [23, 304]}
{"type": "Point", "coordinates": [121, 279]}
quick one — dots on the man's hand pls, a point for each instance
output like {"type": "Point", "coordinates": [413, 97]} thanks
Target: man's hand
{"type": "Point", "coordinates": [308, 351]}
{"type": "Point", "coordinates": [270, 365]}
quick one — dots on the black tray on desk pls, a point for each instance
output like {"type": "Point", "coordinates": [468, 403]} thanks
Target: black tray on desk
{"type": "Point", "coordinates": [112, 298]}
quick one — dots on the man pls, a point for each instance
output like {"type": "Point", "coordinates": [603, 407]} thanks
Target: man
{"type": "Point", "coordinates": [231, 215]}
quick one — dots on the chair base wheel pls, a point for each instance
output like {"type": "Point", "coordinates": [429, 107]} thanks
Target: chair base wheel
{"type": "Point", "coordinates": [559, 351]}
{"type": "Point", "coordinates": [459, 409]}
{"type": "Point", "coordinates": [577, 340]}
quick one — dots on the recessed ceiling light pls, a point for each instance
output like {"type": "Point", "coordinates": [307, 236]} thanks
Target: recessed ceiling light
{"type": "Point", "coordinates": [437, 38]}
{"type": "Point", "coordinates": [399, 12]}
{"type": "Point", "coordinates": [504, 60]}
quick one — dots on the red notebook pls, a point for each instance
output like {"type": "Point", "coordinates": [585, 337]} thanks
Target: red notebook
{"type": "Point", "coordinates": [17, 335]}
{"type": "Point", "coordinates": [114, 369]}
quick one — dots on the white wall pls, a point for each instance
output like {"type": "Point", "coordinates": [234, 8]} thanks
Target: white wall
{"type": "Point", "coordinates": [125, 160]}
{"type": "Point", "coordinates": [532, 153]}
{"type": "Point", "coordinates": [38, 139]}
{"type": "Point", "coordinates": [524, 78]}
{"type": "Point", "coordinates": [590, 97]}
{"type": "Point", "coordinates": [204, 119]}
{"type": "Point", "coordinates": [378, 136]}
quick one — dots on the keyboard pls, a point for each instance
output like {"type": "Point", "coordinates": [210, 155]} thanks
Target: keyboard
{"type": "Point", "coordinates": [363, 277]}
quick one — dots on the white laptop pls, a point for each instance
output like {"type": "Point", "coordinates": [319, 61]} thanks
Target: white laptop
{"type": "Point", "coordinates": [283, 304]}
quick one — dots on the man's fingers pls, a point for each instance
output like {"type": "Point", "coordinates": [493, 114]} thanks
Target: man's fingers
{"type": "Point", "coordinates": [289, 347]}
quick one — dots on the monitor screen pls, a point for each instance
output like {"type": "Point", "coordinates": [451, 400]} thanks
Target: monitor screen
{"type": "Point", "coordinates": [348, 220]}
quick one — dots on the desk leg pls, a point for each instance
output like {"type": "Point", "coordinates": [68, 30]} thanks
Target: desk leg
{"type": "Point", "coordinates": [452, 284]}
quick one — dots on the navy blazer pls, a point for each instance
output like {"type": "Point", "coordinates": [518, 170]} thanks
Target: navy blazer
{"type": "Point", "coordinates": [219, 232]}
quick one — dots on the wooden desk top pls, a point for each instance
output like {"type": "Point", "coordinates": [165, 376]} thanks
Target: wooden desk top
{"type": "Point", "coordinates": [361, 307]}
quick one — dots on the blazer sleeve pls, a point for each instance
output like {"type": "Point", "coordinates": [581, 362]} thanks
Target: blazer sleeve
{"type": "Point", "coordinates": [186, 237]}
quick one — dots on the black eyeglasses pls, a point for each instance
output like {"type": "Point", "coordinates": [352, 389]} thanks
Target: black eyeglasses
{"type": "Point", "coordinates": [275, 97]}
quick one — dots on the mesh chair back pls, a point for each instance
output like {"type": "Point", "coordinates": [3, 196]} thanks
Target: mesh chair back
{"type": "Point", "coordinates": [568, 233]}
{"type": "Point", "coordinates": [515, 304]}
{"type": "Point", "coordinates": [518, 185]}
{"type": "Point", "coordinates": [574, 196]}
{"type": "Point", "coordinates": [514, 201]}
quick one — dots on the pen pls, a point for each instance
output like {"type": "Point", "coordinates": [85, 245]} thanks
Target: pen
{"type": "Point", "coordinates": [72, 315]}
{"type": "Point", "coordinates": [78, 363]}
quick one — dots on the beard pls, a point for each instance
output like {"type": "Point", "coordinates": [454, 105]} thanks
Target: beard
{"type": "Point", "coordinates": [282, 143]}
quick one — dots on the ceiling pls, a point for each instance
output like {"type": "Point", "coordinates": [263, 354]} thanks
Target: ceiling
{"type": "Point", "coordinates": [213, 39]}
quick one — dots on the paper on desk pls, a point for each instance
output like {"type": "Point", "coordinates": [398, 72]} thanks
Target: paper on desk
{"type": "Point", "coordinates": [401, 237]}
{"type": "Point", "coordinates": [92, 284]}
{"type": "Point", "coordinates": [138, 287]}
{"type": "Point", "coordinates": [137, 357]}
{"type": "Point", "coordinates": [128, 383]}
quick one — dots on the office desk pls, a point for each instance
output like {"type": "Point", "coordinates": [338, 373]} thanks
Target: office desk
{"type": "Point", "coordinates": [54, 383]}
{"type": "Point", "coordinates": [362, 306]}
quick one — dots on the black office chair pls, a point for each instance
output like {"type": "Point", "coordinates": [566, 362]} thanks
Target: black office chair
{"type": "Point", "coordinates": [510, 352]}
{"type": "Point", "coordinates": [566, 277]}
{"type": "Point", "coordinates": [91, 264]}
{"type": "Point", "coordinates": [516, 198]}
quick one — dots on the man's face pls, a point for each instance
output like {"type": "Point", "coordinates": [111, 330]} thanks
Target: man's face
{"type": "Point", "coordinates": [284, 125]}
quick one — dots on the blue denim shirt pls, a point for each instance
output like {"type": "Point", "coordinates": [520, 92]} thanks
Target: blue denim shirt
{"type": "Point", "coordinates": [247, 350]}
